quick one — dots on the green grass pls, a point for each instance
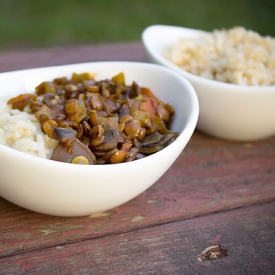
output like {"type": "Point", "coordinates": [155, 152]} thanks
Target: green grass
{"type": "Point", "coordinates": [41, 23]}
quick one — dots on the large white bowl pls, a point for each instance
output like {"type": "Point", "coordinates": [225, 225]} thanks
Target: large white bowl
{"type": "Point", "coordinates": [227, 111]}
{"type": "Point", "coordinates": [64, 189]}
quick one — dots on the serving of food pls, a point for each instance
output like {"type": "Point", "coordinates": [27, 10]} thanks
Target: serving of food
{"type": "Point", "coordinates": [129, 120]}
{"type": "Point", "coordinates": [81, 120]}
{"type": "Point", "coordinates": [232, 71]}
{"type": "Point", "coordinates": [236, 55]}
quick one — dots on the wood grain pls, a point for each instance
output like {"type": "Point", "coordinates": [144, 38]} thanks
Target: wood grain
{"type": "Point", "coordinates": [170, 249]}
{"type": "Point", "coordinates": [33, 58]}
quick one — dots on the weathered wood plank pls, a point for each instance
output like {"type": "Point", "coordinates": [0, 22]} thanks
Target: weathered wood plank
{"type": "Point", "coordinates": [32, 58]}
{"type": "Point", "coordinates": [209, 176]}
{"type": "Point", "coordinates": [174, 248]}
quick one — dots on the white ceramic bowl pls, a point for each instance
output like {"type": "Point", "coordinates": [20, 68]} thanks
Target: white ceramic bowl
{"type": "Point", "coordinates": [63, 189]}
{"type": "Point", "coordinates": [227, 111]}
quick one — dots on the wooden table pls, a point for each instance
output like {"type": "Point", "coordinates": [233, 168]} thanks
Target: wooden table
{"type": "Point", "coordinates": [217, 192]}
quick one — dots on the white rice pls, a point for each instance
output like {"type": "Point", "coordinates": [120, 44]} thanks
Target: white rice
{"type": "Point", "coordinates": [22, 131]}
{"type": "Point", "coordinates": [236, 56]}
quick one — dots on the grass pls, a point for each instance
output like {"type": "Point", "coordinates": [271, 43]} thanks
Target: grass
{"type": "Point", "coordinates": [40, 23]}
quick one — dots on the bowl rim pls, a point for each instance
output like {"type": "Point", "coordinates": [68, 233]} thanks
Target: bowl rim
{"type": "Point", "coordinates": [184, 135]}
{"type": "Point", "coordinates": [148, 45]}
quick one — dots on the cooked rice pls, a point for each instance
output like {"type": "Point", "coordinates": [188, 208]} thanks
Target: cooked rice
{"type": "Point", "coordinates": [22, 131]}
{"type": "Point", "coordinates": [236, 56]}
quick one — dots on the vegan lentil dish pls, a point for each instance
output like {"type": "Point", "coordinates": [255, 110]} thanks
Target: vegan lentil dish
{"type": "Point", "coordinates": [236, 55]}
{"type": "Point", "coordinates": [82, 120]}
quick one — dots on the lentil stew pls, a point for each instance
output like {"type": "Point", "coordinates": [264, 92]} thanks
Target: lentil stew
{"type": "Point", "coordinates": [99, 121]}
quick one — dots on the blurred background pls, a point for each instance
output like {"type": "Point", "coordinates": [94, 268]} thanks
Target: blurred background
{"type": "Point", "coordinates": [44, 23]}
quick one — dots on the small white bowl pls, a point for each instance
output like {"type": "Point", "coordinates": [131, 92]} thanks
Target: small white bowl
{"type": "Point", "coordinates": [63, 189]}
{"type": "Point", "coordinates": [227, 111]}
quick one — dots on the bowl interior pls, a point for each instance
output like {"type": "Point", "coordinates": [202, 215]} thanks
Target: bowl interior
{"type": "Point", "coordinates": [157, 38]}
{"type": "Point", "coordinates": [157, 78]}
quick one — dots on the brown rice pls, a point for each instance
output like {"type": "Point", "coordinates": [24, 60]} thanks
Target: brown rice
{"type": "Point", "coordinates": [236, 56]}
